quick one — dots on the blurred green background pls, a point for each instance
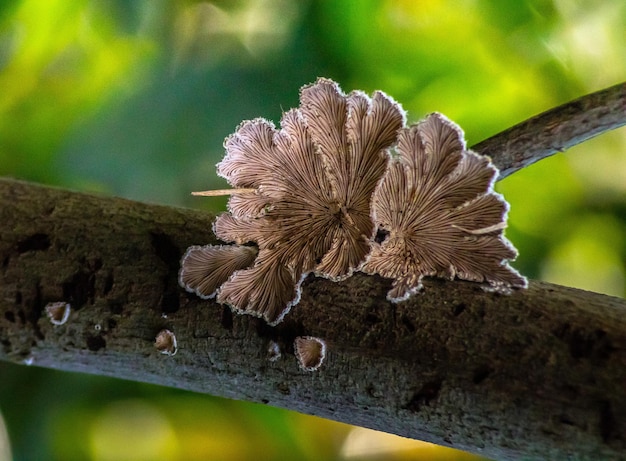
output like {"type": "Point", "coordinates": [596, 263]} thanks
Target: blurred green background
{"type": "Point", "coordinates": [134, 99]}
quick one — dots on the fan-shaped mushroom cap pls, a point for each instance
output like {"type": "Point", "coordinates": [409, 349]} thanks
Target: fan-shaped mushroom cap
{"type": "Point", "coordinates": [58, 312]}
{"type": "Point", "coordinates": [437, 204]}
{"type": "Point", "coordinates": [204, 268]}
{"type": "Point", "coordinates": [268, 290]}
{"type": "Point", "coordinates": [166, 343]}
{"type": "Point", "coordinates": [310, 352]}
{"type": "Point", "coordinates": [312, 184]}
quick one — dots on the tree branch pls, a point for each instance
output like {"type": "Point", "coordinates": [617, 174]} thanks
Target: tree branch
{"type": "Point", "coordinates": [537, 374]}
{"type": "Point", "coordinates": [556, 130]}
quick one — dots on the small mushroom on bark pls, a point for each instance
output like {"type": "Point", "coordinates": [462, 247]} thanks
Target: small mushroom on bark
{"type": "Point", "coordinates": [310, 352]}
{"type": "Point", "coordinates": [165, 343]}
{"type": "Point", "coordinates": [58, 312]}
{"type": "Point", "coordinates": [273, 351]}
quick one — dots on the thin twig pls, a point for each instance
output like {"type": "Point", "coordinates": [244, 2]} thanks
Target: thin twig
{"type": "Point", "coordinates": [220, 192]}
{"type": "Point", "coordinates": [556, 130]}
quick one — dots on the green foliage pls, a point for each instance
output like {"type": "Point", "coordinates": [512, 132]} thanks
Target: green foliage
{"type": "Point", "coordinates": [135, 98]}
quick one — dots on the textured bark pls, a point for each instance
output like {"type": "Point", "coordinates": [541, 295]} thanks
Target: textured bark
{"type": "Point", "coordinates": [556, 130]}
{"type": "Point", "coordinates": [539, 374]}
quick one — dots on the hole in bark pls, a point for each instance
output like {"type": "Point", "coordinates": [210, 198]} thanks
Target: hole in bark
{"type": "Point", "coordinates": [18, 297]}
{"type": "Point", "coordinates": [579, 346]}
{"type": "Point", "coordinates": [372, 319]}
{"type": "Point", "coordinates": [381, 235]}
{"type": "Point", "coordinates": [481, 373]}
{"type": "Point", "coordinates": [111, 323]}
{"type": "Point", "coordinates": [95, 264]}
{"type": "Point", "coordinates": [564, 419]}
{"type": "Point", "coordinates": [263, 329]}
{"type": "Point", "coordinates": [108, 284]}
{"type": "Point", "coordinates": [406, 322]}
{"type": "Point", "coordinates": [585, 344]}
{"type": "Point", "coordinates": [21, 316]}
{"type": "Point", "coordinates": [80, 289]}
{"type": "Point", "coordinates": [604, 348]}
{"type": "Point", "coordinates": [458, 309]}
{"type": "Point", "coordinates": [34, 311]}
{"type": "Point", "coordinates": [227, 318]}
{"type": "Point", "coordinates": [35, 242]}
{"type": "Point", "coordinates": [116, 307]}
{"type": "Point", "coordinates": [170, 302]}
{"type": "Point", "coordinates": [5, 262]}
{"type": "Point", "coordinates": [265, 401]}
{"type": "Point", "coordinates": [283, 388]}
{"type": "Point", "coordinates": [562, 331]}
{"type": "Point", "coordinates": [283, 334]}
{"type": "Point", "coordinates": [569, 392]}
{"type": "Point", "coordinates": [95, 343]}
{"type": "Point", "coordinates": [607, 421]}
{"type": "Point", "coordinates": [10, 316]}
{"type": "Point", "coordinates": [167, 251]}
{"type": "Point", "coordinates": [428, 393]}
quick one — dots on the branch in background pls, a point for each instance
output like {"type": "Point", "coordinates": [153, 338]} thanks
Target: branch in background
{"type": "Point", "coordinates": [556, 130]}
{"type": "Point", "coordinates": [538, 374]}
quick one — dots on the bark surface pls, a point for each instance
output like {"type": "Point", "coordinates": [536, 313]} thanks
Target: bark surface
{"type": "Point", "coordinates": [539, 374]}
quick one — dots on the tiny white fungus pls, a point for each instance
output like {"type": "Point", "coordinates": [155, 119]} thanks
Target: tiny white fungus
{"type": "Point", "coordinates": [273, 351]}
{"type": "Point", "coordinates": [165, 343]}
{"type": "Point", "coordinates": [58, 312]}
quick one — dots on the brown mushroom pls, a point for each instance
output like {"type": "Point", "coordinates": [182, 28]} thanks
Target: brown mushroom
{"type": "Point", "coordinates": [440, 216]}
{"type": "Point", "coordinates": [311, 195]}
{"type": "Point", "coordinates": [58, 312]}
{"type": "Point", "coordinates": [165, 342]}
{"type": "Point", "coordinates": [204, 268]}
{"type": "Point", "coordinates": [304, 194]}
{"type": "Point", "coordinates": [310, 352]}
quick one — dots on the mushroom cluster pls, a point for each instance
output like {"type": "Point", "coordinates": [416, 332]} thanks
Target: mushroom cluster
{"type": "Point", "coordinates": [344, 186]}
